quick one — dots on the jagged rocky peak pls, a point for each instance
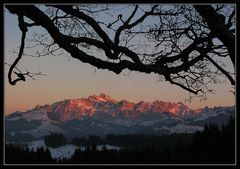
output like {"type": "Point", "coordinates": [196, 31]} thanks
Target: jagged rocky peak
{"type": "Point", "coordinates": [104, 105]}
{"type": "Point", "coordinates": [125, 105]}
{"type": "Point", "coordinates": [73, 108]}
{"type": "Point", "coordinates": [143, 106]}
{"type": "Point", "coordinates": [43, 108]}
{"type": "Point", "coordinates": [102, 98]}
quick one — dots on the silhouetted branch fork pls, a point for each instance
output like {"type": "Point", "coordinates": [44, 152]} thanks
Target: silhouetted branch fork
{"type": "Point", "coordinates": [222, 70]}
{"type": "Point", "coordinates": [31, 75]}
{"type": "Point", "coordinates": [217, 25]}
{"type": "Point", "coordinates": [23, 29]}
{"type": "Point", "coordinates": [169, 79]}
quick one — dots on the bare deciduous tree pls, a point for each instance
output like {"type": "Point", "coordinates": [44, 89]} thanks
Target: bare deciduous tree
{"type": "Point", "coordinates": [180, 43]}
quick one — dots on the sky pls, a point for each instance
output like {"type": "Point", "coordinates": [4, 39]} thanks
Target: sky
{"type": "Point", "coordinates": [68, 78]}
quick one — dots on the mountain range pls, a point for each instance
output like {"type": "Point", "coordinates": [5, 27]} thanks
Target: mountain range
{"type": "Point", "coordinates": [101, 115]}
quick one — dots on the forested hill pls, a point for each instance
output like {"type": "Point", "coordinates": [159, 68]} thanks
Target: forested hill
{"type": "Point", "coordinates": [212, 145]}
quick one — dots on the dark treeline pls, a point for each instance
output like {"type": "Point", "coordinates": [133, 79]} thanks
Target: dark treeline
{"type": "Point", "coordinates": [86, 141]}
{"type": "Point", "coordinates": [17, 154]}
{"type": "Point", "coordinates": [129, 141]}
{"type": "Point", "coordinates": [212, 145]}
{"type": "Point", "coordinates": [150, 141]}
{"type": "Point", "coordinates": [55, 140]}
{"type": "Point", "coordinates": [136, 141]}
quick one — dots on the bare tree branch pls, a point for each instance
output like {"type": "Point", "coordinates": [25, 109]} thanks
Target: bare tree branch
{"type": "Point", "coordinates": [217, 25]}
{"type": "Point", "coordinates": [221, 69]}
{"type": "Point", "coordinates": [176, 45]}
{"type": "Point", "coordinates": [20, 77]}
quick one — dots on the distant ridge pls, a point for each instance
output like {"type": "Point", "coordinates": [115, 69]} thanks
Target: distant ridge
{"type": "Point", "coordinates": [102, 114]}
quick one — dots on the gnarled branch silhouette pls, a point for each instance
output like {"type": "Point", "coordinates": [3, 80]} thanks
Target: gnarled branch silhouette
{"type": "Point", "coordinates": [178, 44]}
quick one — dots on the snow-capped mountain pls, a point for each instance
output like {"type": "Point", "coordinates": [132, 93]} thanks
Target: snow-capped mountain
{"type": "Point", "coordinates": [100, 115]}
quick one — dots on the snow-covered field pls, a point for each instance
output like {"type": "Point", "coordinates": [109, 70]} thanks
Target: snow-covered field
{"type": "Point", "coordinates": [64, 151]}
{"type": "Point", "coordinates": [109, 147]}
{"type": "Point", "coordinates": [181, 128]}
{"type": "Point", "coordinates": [45, 128]}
